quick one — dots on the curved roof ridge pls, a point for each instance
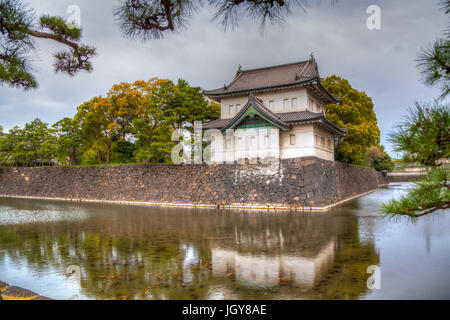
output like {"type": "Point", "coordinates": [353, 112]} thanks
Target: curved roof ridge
{"type": "Point", "coordinates": [234, 80]}
{"type": "Point", "coordinates": [275, 66]}
{"type": "Point", "coordinates": [284, 76]}
{"type": "Point", "coordinates": [259, 105]}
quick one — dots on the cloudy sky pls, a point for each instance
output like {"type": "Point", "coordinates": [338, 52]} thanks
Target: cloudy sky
{"type": "Point", "coordinates": [379, 62]}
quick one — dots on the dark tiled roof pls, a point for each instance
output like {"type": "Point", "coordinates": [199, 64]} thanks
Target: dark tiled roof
{"type": "Point", "coordinates": [269, 77]}
{"type": "Point", "coordinates": [216, 124]}
{"type": "Point", "coordinates": [297, 116]}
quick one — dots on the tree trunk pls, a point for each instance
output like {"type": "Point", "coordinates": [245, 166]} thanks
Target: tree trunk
{"type": "Point", "coordinates": [73, 157]}
{"type": "Point", "coordinates": [108, 155]}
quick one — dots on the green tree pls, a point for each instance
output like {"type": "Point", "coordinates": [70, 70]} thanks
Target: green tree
{"type": "Point", "coordinates": [124, 151]}
{"type": "Point", "coordinates": [148, 112]}
{"type": "Point", "coordinates": [170, 106]}
{"type": "Point", "coordinates": [145, 112]}
{"type": "Point", "coordinates": [30, 146]}
{"type": "Point", "coordinates": [154, 144]}
{"type": "Point", "coordinates": [105, 120]}
{"type": "Point", "coordinates": [8, 142]}
{"type": "Point", "coordinates": [434, 61]}
{"type": "Point", "coordinates": [3, 154]}
{"type": "Point", "coordinates": [69, 142]}
{"type": "Point", "coordinates": [378, 159]}
{"type": "Point", "coordinates": [180, 104]}
{"type": "Point", "coordinates": [19, 29]}
{"type": "Point", "coordinates": [189, 105]}
{"type": "Point", "coordinates": [156, 121]}
{"type": "Point", "coordinates": [428, 195]}
{"type": "Point", "coordinates": [37, 145]}
{"type": "Point", "coordinates": [424, 135]}
{"type": "Point", "coordinates": [94, 127]}
{"type": "Point", "coordinates": [385, 163]}
{"type": "Point", "coordinates": [355, 113]}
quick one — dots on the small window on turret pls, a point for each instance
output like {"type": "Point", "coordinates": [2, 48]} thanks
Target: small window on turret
{"type": "Point", "coordinates": [292, 139]}
{"type": "Point", "coordinates": [232, 110]}
{"type": "Point", "coordinates": [286, 104]}
{"type": "Point", "coordinates": [266, 140]}
{"type": "Point", "coordinates": [252, 141]}
{"type": "Point", "coordinates": [272, 105]}
{"type": "Point", "coordinates": [294, 103]}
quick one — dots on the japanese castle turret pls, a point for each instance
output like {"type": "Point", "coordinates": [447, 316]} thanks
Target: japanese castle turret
{"type": "Point", "coordinates": [273, 112]}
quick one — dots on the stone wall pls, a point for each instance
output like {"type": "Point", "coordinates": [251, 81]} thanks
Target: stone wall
{"type": "Point", "coordinates": [305, 182]}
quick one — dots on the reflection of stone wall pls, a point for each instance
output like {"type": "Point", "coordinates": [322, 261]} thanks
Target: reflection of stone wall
{"type": "Point", "coordinates": [294, 183]}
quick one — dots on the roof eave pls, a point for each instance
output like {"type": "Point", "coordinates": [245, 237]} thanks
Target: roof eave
{"type": "Point", "coordinates": [333, 99]}
{"type": "Point", "coordinates": [217, 96]}
{"type": "Point", "coordinates": [336, 130]}
{"type": "Point", "coordinates": [243, 92]}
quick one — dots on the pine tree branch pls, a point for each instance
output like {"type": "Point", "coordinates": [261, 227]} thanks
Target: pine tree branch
{"type": "Point", "coordinates": [445, 205]}
{"type": "Point", "coordinates": [45, 35]}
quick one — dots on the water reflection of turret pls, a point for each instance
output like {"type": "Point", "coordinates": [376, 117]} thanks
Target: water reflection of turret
{"type": "Point", "coordinates": [141, 252]}
{"type": "Point", "coordinates": [263, 270]}
{"type": "Point", "coordinates": [279, 249]}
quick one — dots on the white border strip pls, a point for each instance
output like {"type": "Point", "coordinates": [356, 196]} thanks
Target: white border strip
{"type": "Point", "coordinates": [270, 207]}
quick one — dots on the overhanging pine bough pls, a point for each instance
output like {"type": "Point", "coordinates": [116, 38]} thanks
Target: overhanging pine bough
{"type": "Point", "coordinates": [427, 196]}
{"type": "Point", "coordinates": [18, 31]}
{"type": "Point", "coordinates": [149, 19]}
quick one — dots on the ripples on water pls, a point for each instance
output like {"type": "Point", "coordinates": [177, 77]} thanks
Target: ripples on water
{"type": "Point", "coordinates": [138, 252]}
{"type": "Point", "coordinates": [49, 213]}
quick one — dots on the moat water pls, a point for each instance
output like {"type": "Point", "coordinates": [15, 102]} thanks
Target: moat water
{"type": "Point", "coordinates": [94, 251]}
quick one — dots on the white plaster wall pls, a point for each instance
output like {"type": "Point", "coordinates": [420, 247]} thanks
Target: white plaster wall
{"type": "Point", "coordinates": [323, 154]}
{"type": "Point", "coordinates": [325, 151]}
{"type": "Point", "coordinates": [304, 142]}
{"type": "Point", "coordinates": [227, 101]}
{"type": "Point", "coordinates": [305, 101]}
{"type": "Point", "coordinates": [252, 143]}
{"type": "Point", "coordinates": [216, 149]}
{"type": "Point", "coordinates": [277, 96]}
{"type": "Point", "coordinates": [314, 105]}
{"type": "Point", "coordinates": [248, 143]}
